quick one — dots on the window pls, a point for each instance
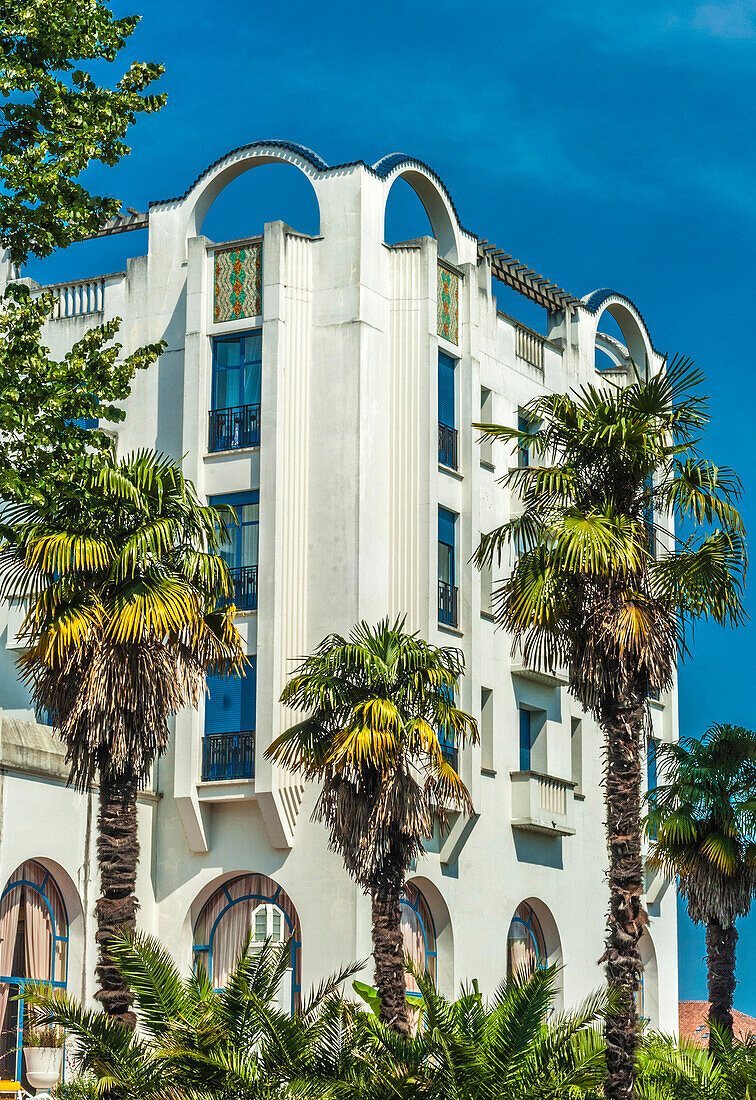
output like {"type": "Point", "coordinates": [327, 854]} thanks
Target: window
{"type": "Point", "coordinates": [486, 731]}
{"type": "Point", "coordinates": [228, 747]}
{"type": "Point", "coordinates": [33, 947]}
{"type": "Point", "coordinates": [525, 424]}
{"type": "Point", "coordinates": [240, 550]}
{"type": "Point", "coordinates": [486, 589]}
{"type": "Point", "coordinates": [526, 944]}
{"type": "Point", "coordinates": [486, 417]}
{"type": "Point", "coordinates": [532, 740]}
{"type": "Point", "coordinates": [447, 434]}
{"type": "Point", "coordinates": [652, 777]}
{"type": "Point", "coordinates": [446, 737]}
{"type": "Point", "coordinates": [525, 739]}
{"type": "Point", "coordinates": [447, 592]}
{"type": "Point", "coordinates": [237, 376]}
{"type": "Point", "coordinates": [249, 904]}
{"type": "Point", "coordinates": [576, 748]}
{"type": "Point", "coordinates": [418, 935]}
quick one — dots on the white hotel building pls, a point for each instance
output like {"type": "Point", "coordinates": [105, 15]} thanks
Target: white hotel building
{"type": "Point", "coordinates": [326, 386]}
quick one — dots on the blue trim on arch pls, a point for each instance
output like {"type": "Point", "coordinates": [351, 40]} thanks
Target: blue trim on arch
{"type": "Point", "coordinates": [429, 954]}
{"type": "Point", "coordinates": [595, 301]}
{"type": "Point", "coordinates": [528, 926]}
{"type": "Point", "coordinates": [264, 899]}
{"type": "Point", "coordinates": [12, 979]}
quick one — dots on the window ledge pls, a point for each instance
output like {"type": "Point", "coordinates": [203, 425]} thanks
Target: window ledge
{"type": "Point", "coordinates": [226, 790]}
{"type": "Point", "coordinates": [446, 629]}
{"type": "Point", "coordinates": [487, 616]}
{"type": "Point", "coordinates": [579, 797]}
{"type": "Point", "coordinates": [450, 472]}
{"type": "Point", "coordinates": [489, 772]}
{"type": "Point", "coordinates": [231, 451]}
{"type": "Point", "coordinates": [485, 465]}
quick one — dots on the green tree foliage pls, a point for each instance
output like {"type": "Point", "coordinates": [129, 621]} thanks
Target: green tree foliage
{"type": "Point", "coordinates": [45, 449]}
{"type": "Point", "coordinates": [678, 1070]}
{"type": "Point", "coordinates": [601, 585]}
{"type": "Point", "coordinates": [702, 827]}
{"type": "Point", "coordinates": [55, 119]}
{"type": "Point", "coordinates": [376, 704]}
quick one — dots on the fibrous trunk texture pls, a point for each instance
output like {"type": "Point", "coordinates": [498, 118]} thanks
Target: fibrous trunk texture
{"type": "Point", "coordinates": [118, 853]}
{"type": "Point", "coordinates": [388, 953]}
{"type": "Point", "coordinates": [720, 960]}
{"type": "Point", "coordinates": [624, 733]}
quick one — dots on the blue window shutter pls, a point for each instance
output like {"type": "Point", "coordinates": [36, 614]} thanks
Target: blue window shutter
{"type": "Point", "coordinates": [231, 705]}
{"type": "Point", "coordinates": [446, 524]}
{"type": "Point", "coordinates": [525, 740]}
{"type": "Point", "coordinates": [446, 367]}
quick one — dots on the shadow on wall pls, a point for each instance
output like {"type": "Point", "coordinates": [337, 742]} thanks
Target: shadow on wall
{"type": "Point", "coordinates": [544, 851]}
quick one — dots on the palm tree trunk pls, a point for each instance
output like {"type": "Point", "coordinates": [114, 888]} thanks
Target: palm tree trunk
{"type": "Point", "coordinates": [720, 961]}
{"type": "Point", "coordinates": [118, 854]}
{"type": "Point", "coordinates": [388, 953]}
{"type": "Point", "coordinates": [624, 732]}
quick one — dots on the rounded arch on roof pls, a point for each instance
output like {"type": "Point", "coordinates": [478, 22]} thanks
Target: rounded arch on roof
{"type": "Point", "coordinates": [433, 194]}
{"type": "Point", "coordinates": [209, 184]}
{"type": "Point", "coordinates": [631, 323]}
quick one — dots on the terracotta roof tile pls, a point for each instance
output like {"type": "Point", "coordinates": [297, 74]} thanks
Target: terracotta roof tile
{"type": "Point", "coordinates": [693, 1017]}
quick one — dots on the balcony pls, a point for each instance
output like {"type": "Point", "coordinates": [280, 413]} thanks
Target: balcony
{"type": "Point", "coordinates": [228, 756]}
{"type": "Point", "coordinates": [234, 428]}
{"type": "Point", "coordinates": [244, 581]}
{"type": "Point", "coordinates": [447, 604]}
{"type": "Point", "coordinates": [447, 446]}
{"type": "Point", "coordinates": [543, 804]}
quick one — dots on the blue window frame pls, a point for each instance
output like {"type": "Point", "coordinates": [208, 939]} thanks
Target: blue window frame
{"type": "Point", "coordinates": [447, 591]}
{"type": "Point", "coordinates": [33, 877]}
{"type": "Point", "coordinates": [419, 935]}
{"type": "Point", "coordinates": [241, 548]}
{"type": "Point", "coordinates": [526, 943]}
{"type": "Point", "coordinates": [526, 739]}
{"type": "Point", "coordinates": [237, 380]}
{"type": "Point", "coordinates": [523, 448]}
{"type": "Point", "coordinates": [446, 738]}
{"type": "Point", "coordinates": [249, 897]}
{"type": "Point", "coordinates": [447, 423]}
{"type": "Point", "coordinates": [228, 746]}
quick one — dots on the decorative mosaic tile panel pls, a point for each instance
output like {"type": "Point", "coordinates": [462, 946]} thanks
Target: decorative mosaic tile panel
{"type": "Point", "coordinates": [448, 304]}
{"type": "Point", "coordinates": [238, 282]}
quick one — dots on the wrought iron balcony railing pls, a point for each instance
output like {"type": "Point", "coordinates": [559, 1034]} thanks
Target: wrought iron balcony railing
{"type": "Point", "coordinates": [447, 604]}
{"type": "Point", "coordinates": [228, 756]}
{"type": "Point", "coordinates": [232, 428]}
{"type": "Point", "coordinates": [447, 446]}
{"type": "Point", "coordinates": [244, 580]}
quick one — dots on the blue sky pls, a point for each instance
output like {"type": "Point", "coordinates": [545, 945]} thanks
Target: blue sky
{"type": "Point", "coordinates": [605, 144]}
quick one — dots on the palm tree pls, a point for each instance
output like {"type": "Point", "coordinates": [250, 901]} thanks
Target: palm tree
{"type": "Point", "coordinates": [124, 620]}
{"type": "Point", "coordinates": [702, 824]}
{"type": "Point", "coordinates": [195, 1041]}
{"type": "Point", "coordinates": [677, 1069]}
{"type": "Point", "coordinates": [601, 585]}
{"type": "Point", "coordinates": [376, 703]}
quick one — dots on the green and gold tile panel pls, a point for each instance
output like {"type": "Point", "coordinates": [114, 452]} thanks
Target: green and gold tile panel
{"type": "Point", "coordinates": [237, 283]}
{"type": "Point", "coordinates": [447, 303]}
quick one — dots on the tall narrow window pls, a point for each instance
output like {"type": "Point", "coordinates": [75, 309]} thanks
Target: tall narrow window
{"type": "Point", "coordinates": [486, 731]}
{"type": "Point", "coordinates": [486, 417]}
{"type": "Point", "coordinates": [240, 550]}
{"type": "Point", "coordinates": [447, 424]}
{"type": "Point", "coordinates": [228, 747]}
{"type": "Point", "coordinates": [576, 747]}
{"type": "Point", "coordinates": [237, 375]}
{"type": "Point", "coordinates": [652, 777]}
{"type": "Point", "coordinates": [523, 449]}
{"type": "Point", "coordinates": [526, 744]}
{"type": "Point", "coordinates": [447, 591]}
{"type": "Point", "coordinates": [486, 589]}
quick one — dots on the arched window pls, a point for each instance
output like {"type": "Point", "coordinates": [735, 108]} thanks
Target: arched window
{"type": "Point", "coordinates": [418, 935]}
{"type": "Point", "coordinates": [248, 904]}
{"type": "Point", "coordinates": [33, 947]}
{"type": "Point", "coordinates": [526, 944]}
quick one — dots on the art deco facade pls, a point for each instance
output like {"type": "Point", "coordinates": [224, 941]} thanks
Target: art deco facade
{"type": "Point", "coordinates": [325, 386]}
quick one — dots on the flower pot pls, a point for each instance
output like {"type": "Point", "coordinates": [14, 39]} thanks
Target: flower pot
{"type": "Point", "coordinates": [43, 1066]}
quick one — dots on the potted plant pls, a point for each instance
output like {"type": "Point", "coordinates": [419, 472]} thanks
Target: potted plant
{"type": "Point", "coordinates": [43, 1054]}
